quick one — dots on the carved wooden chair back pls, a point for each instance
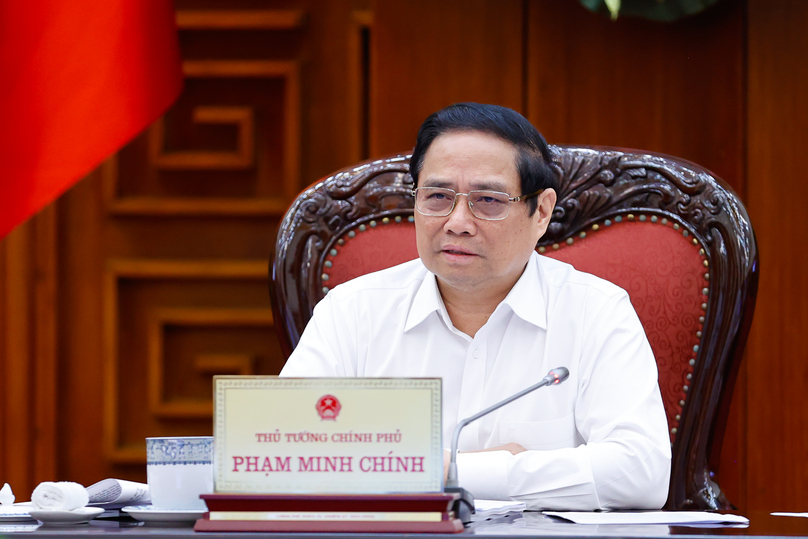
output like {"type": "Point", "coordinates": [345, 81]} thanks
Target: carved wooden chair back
{"type": "Point", "coordinates": [666, 230]}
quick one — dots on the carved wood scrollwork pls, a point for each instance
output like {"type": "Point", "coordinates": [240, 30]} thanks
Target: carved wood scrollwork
{"type": "Point", "coordinates": [316, 220]}
{"type": "Point", "coordinates": [594, 184]}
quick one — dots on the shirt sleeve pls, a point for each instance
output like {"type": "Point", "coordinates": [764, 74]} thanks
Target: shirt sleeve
{"type": "Point", "coordinates": [324, 345]}
{"type": "Point", "coordinates": [624, 461]}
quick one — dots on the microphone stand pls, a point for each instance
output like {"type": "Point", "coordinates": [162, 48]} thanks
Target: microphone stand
{"type": "Point", "coordinates": [464, 507]}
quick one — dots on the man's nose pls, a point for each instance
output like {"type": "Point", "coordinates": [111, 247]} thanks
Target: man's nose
{"type": "Point", "coordinates": [461, 220]}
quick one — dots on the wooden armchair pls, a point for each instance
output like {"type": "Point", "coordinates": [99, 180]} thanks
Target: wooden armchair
{"type": "Point", "coordinates": [667, 231]}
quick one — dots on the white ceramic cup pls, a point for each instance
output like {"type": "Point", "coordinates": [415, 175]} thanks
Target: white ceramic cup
{"type": "Point", "coordinates": [179, 469]}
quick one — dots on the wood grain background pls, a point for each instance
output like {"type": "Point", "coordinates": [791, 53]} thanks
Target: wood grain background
{"type": "Point", "coordinates": [118, 302]}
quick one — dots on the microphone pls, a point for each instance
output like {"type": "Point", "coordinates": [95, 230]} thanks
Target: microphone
{"type": "Point", "coordinates": [464, 507]}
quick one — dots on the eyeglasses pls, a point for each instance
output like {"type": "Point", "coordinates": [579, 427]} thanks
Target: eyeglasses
{"type": "Point", "coordinates": [487, 205]}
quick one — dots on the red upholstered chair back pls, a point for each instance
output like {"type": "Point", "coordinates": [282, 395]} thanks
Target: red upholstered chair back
{"type": "Point", "coordinates": [667, 231]}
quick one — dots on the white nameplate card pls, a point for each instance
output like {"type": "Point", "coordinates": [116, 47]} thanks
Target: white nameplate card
{"type": "Point", "coordinates": [327, 435]}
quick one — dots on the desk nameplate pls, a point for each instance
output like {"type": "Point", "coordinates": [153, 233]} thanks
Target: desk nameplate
{"type": "Point", "coordinates": [327, 435]}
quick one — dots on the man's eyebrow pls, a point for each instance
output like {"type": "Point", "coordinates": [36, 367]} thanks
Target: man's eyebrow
{"type": "Point", "coordinates": [476, 186]}
{"type": "Point", "coordinates": [437, 182]}
{"type": "Point", "coordinates": [489, 186]}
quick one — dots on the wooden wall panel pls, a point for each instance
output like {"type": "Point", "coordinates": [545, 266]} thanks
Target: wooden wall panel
{"type": "Point", "coordinates": [28, 354]}
{"type": "Point", "coordinates": [332, 86]}
{"type": "Point", "coordinates": [150, 378]}
{"type": "Point", "coordinates": [16, 359]}
{"type": "Point", "coordinates": [426, 55]}
{"type": "Point", "coordinates": [81, 388]}
{"type": "Point", "coordinates": [777, 433]}
{"type": "Point", "coordinates": [671, 88]}
{"type": "Point", "coordinates": [165, 247]}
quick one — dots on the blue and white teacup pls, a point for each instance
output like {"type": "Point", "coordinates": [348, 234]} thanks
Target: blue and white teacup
{"type": "Point", "coordinates": [179, 469]}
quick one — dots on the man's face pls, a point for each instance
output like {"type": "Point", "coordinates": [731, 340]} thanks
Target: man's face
{"type": "Point", "coordinates": [469, 254]}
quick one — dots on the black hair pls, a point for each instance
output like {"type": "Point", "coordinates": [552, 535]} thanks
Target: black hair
{"type": "Point", "coordinates": [532, 153]}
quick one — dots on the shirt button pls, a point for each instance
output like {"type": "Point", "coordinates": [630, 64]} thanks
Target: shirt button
{"type": "Point", "coordinates": [476, 353]}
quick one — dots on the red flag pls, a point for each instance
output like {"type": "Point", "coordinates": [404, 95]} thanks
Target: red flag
{"type": "Point", "coordinates": [78, 79]}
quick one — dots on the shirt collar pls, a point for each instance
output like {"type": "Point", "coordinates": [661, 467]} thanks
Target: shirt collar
{"type": "Point", "coordinates": [426, 301]}
{"type": "Point", "coordinates": [526, 298]}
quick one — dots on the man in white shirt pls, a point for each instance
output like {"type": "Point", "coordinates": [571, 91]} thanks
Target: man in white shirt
{"type": "Point", "coordinates": [483, 311]}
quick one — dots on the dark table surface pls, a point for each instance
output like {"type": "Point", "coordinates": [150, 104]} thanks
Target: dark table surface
{"type": "Point", "coordinates": [528, 524]}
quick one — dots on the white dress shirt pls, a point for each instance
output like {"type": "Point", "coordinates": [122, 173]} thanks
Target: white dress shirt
{"type": "Point", "coordinates": [597, 441]}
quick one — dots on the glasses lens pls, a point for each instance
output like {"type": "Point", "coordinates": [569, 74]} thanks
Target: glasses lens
{"type": "Point", "coordinates": [434, 201]}
{"type": "Point", "coordinates": [489, 204]}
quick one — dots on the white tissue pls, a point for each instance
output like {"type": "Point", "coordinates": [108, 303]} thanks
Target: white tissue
{"type": "Point", "coordinates": [61, 496]}
{"type": "Point", "coordinates": [6, 496]}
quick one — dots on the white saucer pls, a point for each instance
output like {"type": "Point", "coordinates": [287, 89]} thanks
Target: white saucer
{"type": "Point", "coordinates": [81, 515]}
{"type": "Point", "coordinates": [149, 513]}
{"type": "Point", "coordinates": [19, 512]}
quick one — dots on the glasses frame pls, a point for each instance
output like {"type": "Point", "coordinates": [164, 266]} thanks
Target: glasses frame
{"type": "Point", "coordinates": [471, 204]}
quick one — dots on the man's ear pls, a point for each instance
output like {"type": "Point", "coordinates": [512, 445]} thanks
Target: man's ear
{"type": "Point", "coordinates": [544, 211]}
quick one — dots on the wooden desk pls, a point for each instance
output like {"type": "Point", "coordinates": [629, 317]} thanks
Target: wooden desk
{"type": "Point", "coordinates": [529, 524]}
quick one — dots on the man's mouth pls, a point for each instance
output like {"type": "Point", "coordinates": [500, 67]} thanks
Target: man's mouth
{"type": "Point", "coordinates": [452, 250]}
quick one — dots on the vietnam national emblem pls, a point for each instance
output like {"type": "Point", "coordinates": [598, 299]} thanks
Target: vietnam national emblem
{"type": "Point", "coordinates": [328, 407]}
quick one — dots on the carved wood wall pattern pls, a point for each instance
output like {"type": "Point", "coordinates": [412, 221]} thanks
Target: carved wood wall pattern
{"type": "Point", "coordinates": [228, 149]}
{"type": "Point", "coordinates": [176, 225]}
{"type": "Point", "coordinates": [163, 250]}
